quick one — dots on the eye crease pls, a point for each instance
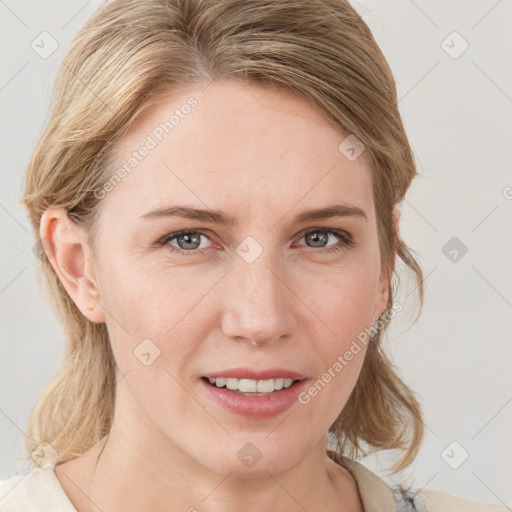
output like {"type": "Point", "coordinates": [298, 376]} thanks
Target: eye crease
{"type": "Point", "coordinates": [316, 235]}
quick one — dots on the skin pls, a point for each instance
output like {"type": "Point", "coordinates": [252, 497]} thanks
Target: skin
{"type": "Point", "coordinates": [262, 156]}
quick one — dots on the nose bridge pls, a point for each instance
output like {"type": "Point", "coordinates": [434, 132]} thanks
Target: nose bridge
{"type": "Point", "coordinates": [260, 280]}
{"type": "Point", "coordinates": [257, 305]}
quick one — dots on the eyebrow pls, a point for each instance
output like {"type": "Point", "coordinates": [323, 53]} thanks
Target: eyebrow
{"type": "Point", "coordinates": [219, 217]}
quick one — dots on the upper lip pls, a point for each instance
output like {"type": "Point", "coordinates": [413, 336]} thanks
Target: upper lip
{"type": "Point", "coordinates": [247, 373]}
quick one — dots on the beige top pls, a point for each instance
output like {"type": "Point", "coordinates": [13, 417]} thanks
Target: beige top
{"type": "Point", "coordinates": [378, 496]}
{"type": "Point", "coordinates": [40, 491]}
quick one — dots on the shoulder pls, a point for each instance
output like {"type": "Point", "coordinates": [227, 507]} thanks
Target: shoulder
{"type": "Point", "coordinates": [437, 501]}
{"type": "Point", "coordinates": [36, 491]}
{"type": "Point", "coordinates": [377, 495]}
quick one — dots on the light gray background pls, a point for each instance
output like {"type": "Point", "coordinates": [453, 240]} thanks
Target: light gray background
{"type": "Point", "coordinates": [457, 112]}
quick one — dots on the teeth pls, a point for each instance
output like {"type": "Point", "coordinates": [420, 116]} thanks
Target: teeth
{"type": "Point", "coordinates": [230, 383]}
{"type": "Point", "coordinates": [251, 385]}
{"type": "Point", "coordinates": [279, 383]}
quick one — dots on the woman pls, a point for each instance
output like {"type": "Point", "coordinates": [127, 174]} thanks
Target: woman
{"type": "Point", "coordinates": [217, 198]}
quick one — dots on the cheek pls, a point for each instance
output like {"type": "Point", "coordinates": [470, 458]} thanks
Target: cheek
{"type": "Point", "coordinates": [343, 307]}
{"type": "Point", "coordinates": [342, 300]}
{"type": "Point", "coordinates": [143, 304]}
{"type": "Point", "coordinates": [153, 297]}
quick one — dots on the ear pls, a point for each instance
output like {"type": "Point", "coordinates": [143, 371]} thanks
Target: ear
{"type": "Point", "coordinates": [71, 258]}
{"type": "Point", "coordinates": [384, 282]}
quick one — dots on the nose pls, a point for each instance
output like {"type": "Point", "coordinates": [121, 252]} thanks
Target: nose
{"type": "Point", "coordinates": [258, 304]}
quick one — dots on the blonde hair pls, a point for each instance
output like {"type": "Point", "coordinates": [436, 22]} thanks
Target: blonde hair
{"type": "Point", "coordinates": [125, 55]}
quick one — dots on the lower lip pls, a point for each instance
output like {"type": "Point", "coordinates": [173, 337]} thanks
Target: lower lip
{"type": "Point", "coordinates": [256, 406]}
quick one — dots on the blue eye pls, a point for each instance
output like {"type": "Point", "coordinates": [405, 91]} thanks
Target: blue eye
{"type": "Point", "coordinates": [322, 235]}
{"type": "Point", "coordinates": [186, 238]}
{"type": "Point", "coordinates": [189, 242]}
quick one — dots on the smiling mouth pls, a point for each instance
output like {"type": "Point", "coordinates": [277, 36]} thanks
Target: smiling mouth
{"type": "Point", "coordinates": [251, 387]}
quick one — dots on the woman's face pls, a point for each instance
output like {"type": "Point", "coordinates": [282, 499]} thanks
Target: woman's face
{"type": "Point", "coordinates": [259, 295]}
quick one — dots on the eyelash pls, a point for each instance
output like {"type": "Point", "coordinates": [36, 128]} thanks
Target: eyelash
{"type": "Point", "coordinates": [346, 241]}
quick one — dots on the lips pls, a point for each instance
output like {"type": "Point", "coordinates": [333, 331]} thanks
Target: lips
{"type": "Point", "coordinates": [251, 404]}
{"type": "Point", "coordinates": [248, 373]}
{"type": "Point", "coordinates": [254, 405]}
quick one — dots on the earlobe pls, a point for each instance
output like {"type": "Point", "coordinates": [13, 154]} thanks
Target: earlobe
{"type": "Point", "coordinates": [384, 283]}
{"type": "Point", "coordinates": [396, 222]}
{"type": "Point", "coordinates": [382, 296]}
{"type": "Point", "coordinates": [71, 258]}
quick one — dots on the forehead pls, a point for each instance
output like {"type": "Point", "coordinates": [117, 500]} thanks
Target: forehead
{"type": "Point", "coordinates": [251, 146]}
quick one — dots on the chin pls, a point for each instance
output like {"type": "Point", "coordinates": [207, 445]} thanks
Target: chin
{"type": "Point", "coordinates": [261, 469]}
{"type": "Point", "coordinates": [252, 459]}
